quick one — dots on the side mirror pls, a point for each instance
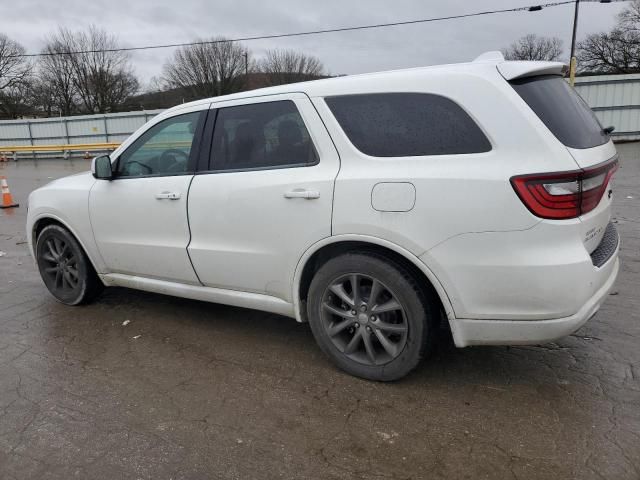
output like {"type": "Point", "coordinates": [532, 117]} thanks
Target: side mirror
{"type": "Point", "coordinates": [101, 168]}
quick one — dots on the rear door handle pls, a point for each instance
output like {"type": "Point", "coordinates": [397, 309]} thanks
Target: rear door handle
{"type": "Point", "coordinates": [168, 195]}
{"type": "Point", "coordinates": [302, 193]}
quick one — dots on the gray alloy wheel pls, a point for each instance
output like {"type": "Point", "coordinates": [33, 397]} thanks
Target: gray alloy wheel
{"type": "Point", "coordinates": [364, 319]}
{"type": "Point", "coordinates": [370, 316]}
{"type": "Point", "coordinates": [64, 267]}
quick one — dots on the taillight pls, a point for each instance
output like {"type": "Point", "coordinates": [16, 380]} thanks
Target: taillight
{"type": "Point", "coordinates": [566, 194]}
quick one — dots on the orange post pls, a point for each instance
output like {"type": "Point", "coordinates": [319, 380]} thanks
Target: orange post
{"type": "Point", "coordinates": [7, 200]}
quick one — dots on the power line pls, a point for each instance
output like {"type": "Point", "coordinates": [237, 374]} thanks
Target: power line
{"type": "Point", "coordinates": [530, 8]}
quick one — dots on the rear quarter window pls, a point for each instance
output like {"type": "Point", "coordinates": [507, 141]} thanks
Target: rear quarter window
{"type": "Point", "coordinates": [562, 110]}
{"type": "Point", "coordinates": [407, 124]}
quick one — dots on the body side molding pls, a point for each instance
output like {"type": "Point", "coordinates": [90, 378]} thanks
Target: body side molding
{"type": "Point", "coordinates": [208, 294]}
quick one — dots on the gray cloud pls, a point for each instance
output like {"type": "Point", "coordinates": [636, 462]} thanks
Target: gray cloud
{"type": "Point", "coordinates": [142, 22]}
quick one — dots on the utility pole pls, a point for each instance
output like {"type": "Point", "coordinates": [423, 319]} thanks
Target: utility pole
{"type": "Point", "coordinates": [246, 64]}
{"type": "Point", "coordinates": [573, 61]}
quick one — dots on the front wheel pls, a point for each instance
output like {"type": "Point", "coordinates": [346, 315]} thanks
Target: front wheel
{"type": "Point", "coordinates": [65, 268]}
{"type": "Point", "coordinates": [370, 317]}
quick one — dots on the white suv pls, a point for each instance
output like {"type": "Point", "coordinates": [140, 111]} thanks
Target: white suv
{"type": "Point", "coordinates": [371, 206]}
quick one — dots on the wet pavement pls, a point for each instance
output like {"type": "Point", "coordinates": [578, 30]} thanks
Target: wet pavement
{"type": "Point", "coordinates": [190, 390]}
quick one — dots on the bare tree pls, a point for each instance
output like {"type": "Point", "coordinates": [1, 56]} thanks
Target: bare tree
{"type": "Point", "coordinates": [629, 18]}
{"type": "Point", "coordinates": [83, 68]}
{"type": "Point", "coordinates": [289, 66]}
{"type": "Point", "coordinates": [617, 51]}
{"type": "Point", "coordinates": [16, 100]}
{"type": "Point", "coordinates": [38, 96]}
{"type": "Point", "coordinates": [533, 47]}
{"type": "Point", "coordinates": [155, 84]}
{"type": "Point", "coordinates": [13, 66]}
{"type": "Point", "coordinates": [208, 69]}
{"type": "Point", "coordinates": [56, 76]}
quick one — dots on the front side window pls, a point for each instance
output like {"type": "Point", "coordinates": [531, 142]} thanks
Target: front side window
{"type": "Point", "coordinates": [407, 124]}
{"type": "Point", "coordinates": [261, 135]}
{"type": "Point", "coordinates": [164, 149]}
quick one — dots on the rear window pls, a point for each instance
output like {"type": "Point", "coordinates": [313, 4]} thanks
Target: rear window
{"type": "Point", "coordinates": [562, 110]}
{"type": "Point", "coordinates": [407, 124]}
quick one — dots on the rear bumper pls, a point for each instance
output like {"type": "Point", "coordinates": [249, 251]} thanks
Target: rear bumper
{"type": "Point", "coordinates": [524, 287]}
{"type": "Point", "coordinates": [468, 332]}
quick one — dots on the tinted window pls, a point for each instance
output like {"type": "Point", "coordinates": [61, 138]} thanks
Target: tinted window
{"type": "Point", "coordinates": [261, 135]}
{"type": "Point", "coordinates": [164, 149]}
{"type": "Point", "coordinates": [562, 110]}
{"type": "Point", "coordinates": [407, 124]}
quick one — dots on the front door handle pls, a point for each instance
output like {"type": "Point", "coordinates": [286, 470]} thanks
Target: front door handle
{"type": "Point", "coordinates": [168, 195]}
{"type": "Point", "coordinates": [302, 193]}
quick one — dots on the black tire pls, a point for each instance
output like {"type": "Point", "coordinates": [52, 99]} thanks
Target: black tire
{"type": "Point", "coordinates": [64, 267]}
{"type": "Point", "coordinates": [410, 331]}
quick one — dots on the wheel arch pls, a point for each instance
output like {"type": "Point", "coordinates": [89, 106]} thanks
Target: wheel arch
{"type": "Point", "coordinates": [320, 252]}
{"type": "Point", "coordinates": [45, 220]}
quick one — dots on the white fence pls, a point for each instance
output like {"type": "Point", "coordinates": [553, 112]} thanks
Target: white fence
{"type": "Point", "coordinates": [104, 128]}
{"type": "Point", "coordinates": [615, 99]}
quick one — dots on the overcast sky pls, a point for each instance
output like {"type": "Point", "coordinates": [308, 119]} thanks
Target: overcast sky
{"type": "Point", "coordinates": [143, 22]}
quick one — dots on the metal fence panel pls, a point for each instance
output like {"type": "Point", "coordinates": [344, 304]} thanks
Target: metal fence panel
{"type": "Point", "coordinates": [46, 130]}
{"type": "Point", "coordinates": [86, 127]}
{"type": "Point", "coordinates": [111, 127]}
{"type": "Point", "coordinates": [126, 124]}
{"type": "Point", "coordinates": [17, 130]}
{"type": "Point", "coordinates": [92, 139]}
{"type": "Point", "coordinates": [615, 99]}
{"type": "Point", "coordinates": [118, 138]}
{"type": "Point", "coordinates": [43, 141]}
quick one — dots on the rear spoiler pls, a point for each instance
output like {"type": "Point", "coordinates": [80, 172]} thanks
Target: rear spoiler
{"type": "Point", "coordinates": [511, 70]}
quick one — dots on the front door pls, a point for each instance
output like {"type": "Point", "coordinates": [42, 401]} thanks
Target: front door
{"type": "Point", "coordinates": [267, 196]}
{"type": "Point", "coordinates": [139, 218]}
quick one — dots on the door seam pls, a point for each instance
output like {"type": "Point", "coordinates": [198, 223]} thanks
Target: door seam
{"type": "Point", "coordinates": [335, 178]}
{"type": "Point", "coordinates": [190, 235]}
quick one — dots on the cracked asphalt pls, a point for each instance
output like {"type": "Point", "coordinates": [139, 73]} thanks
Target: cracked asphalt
{"type": "Point", "coordinates": [144, 386]}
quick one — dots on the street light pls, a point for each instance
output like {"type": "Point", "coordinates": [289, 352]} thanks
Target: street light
{"type": "Point", "coordinates": [573, 61]}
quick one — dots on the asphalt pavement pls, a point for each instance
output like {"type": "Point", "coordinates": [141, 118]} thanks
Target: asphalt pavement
{"type": "Point", "coordinates": [144, 386]}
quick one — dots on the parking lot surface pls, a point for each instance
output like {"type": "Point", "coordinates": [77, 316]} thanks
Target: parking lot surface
{"type": "Point", "coordinates": [143, 386]}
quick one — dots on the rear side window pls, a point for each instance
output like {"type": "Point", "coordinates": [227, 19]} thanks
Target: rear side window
{"type": "Point", "coordinates": [261, 135]}
{"type": "Point", "coordinates": [407, 124]}
{"type": "Point", "coordinates": [562, 110]}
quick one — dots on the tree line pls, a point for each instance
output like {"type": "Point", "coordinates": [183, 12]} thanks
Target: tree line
{"type": "Point", "coordinates": [102, 80]}
{"type": "Point", "coordinates": [616, 51]}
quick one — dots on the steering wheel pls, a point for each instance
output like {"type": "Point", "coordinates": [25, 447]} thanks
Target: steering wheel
{"type": "Point", "coordinates": [135, 162]}
{"type": "Point", "coordinates": [176, 165]}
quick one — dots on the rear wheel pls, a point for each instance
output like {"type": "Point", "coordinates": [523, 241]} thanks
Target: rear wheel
{"type": "Point", "coordinates": [370, 317]}
{"type": "Point", "coordinates": [65, 268]}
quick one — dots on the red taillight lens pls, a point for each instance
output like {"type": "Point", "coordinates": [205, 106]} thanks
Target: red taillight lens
{"type": "Point", "coordinates": [566, 194]}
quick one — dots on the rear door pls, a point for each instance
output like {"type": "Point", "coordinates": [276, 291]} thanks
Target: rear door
{"type": "Point", "coordinates": [266, 195]}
